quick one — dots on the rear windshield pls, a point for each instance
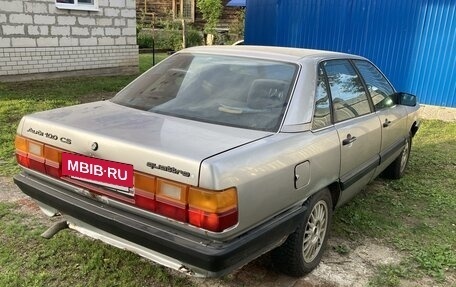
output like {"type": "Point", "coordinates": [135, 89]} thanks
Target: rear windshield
{"type": "Point", "coordinates": [233, 91]}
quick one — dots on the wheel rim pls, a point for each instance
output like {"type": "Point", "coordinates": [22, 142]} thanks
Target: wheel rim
{"type": "Point", "coordinates": [404, 157]}
{"type": "Point", "coordinates": [315, 231]}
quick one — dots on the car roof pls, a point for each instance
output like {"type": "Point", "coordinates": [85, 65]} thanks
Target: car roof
{"type": "Point", "coordinates": [269, 52]}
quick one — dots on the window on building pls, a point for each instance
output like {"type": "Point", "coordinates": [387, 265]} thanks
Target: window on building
{"type": "Point", "coordinates": [184, 9]}
{"type": "Point", "coordinates": [86, 5]}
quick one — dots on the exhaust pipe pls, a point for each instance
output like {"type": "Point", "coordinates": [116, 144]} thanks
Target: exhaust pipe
{"type": "Point", "coordinates": [54, 229]}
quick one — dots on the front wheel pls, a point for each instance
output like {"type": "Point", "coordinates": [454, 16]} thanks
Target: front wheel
{"type": "Point", "coordinates": [303, 249]}
{"type": "Point", "coordinates": [397, 168]}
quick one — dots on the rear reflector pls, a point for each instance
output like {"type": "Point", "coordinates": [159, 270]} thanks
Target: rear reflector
{"type": "Point", "coordinates": [53, 170]}
{"type": "Point", "coordinates": [22, 158]}
{"type": "Point", "coordinates": [171, 209]}
{"type": "Point", "coordinates": [145, 200]}
{"type": "Point", "coordinates": [213, 221]}
{"type": "Point", "coordinates": [37, 163]}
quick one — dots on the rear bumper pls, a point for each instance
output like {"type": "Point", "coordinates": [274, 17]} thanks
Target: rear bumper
{"type": "Point", "coordinates": [193, 253]}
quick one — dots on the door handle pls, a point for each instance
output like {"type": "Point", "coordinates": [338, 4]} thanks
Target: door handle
{"type": "Point", "coordinates": [348, 140]}
{"type": "Point", "coordinates": [386, 123]}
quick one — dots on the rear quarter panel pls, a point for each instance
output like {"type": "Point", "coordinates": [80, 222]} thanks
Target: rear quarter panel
{"type": "Point", "coordinates": [264, 174]}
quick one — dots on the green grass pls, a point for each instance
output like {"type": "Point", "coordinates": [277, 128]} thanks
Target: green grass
{"type": "Point", "coordinates": [146, 60]}
{"type": "Point", "coordinates": [19, 99]}
{"type": "Point", "coordinates": [26, 259]}
{"type": "Point", "coordinates": [416, 214]}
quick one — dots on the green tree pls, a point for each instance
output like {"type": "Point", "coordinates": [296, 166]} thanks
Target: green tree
{"type": "Point", "coordinates": [237, 27]}
{"type": "Point", "coordinates": [211, 10]}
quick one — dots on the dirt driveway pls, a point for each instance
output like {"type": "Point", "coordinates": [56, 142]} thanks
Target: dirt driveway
{"type": "Point", "coordinates": [352, 266]}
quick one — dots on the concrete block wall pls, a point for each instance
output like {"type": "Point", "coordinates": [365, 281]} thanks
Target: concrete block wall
{"type": "Point", "coordinates": [38, 39]}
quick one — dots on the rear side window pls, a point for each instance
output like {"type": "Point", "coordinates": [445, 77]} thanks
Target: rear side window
{"type": "Point", "coordinates": [322, 113]}
{"type": "Point", "coordinates": [379, 88]}
{"type": "Point", "coordinates": [349, 97]}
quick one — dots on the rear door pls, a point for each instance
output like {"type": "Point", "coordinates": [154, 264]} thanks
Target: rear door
{"type": "Point", "coordinates": [357, 126]}
{"type": "Point", "coordinates": [392, 116]}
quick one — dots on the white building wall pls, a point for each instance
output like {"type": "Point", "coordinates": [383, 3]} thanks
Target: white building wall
{"type": "Point", "coordinates": [37, 40]}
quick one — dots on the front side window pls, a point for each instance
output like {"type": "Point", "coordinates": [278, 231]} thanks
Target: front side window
{"type": "Point", "coordinates": [225, 90]}
{"type": "Point", "coordinates": [86, 5]}
{"type": "Point", "coordinates": [349, 97]}
{"type": "Point", "coordinates": [379, 88]}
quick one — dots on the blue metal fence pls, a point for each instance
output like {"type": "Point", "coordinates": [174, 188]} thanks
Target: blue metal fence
{"type": "Point", "coordinates": [412, 41]}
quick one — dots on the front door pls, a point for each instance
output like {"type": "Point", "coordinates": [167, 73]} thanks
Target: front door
{"type": "Point", "coordinates": [392, 117]}
{"type": "Point", "coordinates": [357, 126]}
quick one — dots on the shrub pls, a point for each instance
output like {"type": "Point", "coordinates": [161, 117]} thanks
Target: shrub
{"type": "Point", "coordinates": [194, 38]}
{"type": "Point", "coordinates": [144, 40]}
{"type": "Point", "coordinates": [168, 39]}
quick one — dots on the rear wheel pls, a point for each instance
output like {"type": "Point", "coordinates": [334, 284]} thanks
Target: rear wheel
{"type": "Point", "coordinates": [397, 168]}
{"type": "Point", "coordinates": [303, 249]}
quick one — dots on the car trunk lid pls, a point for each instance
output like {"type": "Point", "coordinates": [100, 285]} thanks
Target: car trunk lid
{"type": "Point", "coordinates": [164, 146]}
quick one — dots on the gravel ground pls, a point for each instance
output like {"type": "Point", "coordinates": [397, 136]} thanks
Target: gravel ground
{"type": "Point", "coordinates": [438, 113]}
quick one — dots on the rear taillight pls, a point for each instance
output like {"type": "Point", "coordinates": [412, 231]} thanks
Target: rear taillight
{"type": "Point", "coordinates": [171, 199]}
{"type": "Point", "coordinates": [211, 210]}
{"type": "Point", "coordinates": [37, 156]}
{"type": "Point", "coordinates": [53, 161]}
{"type": "Point", "coordinates": [145, 191]}
{"type": "Point", "coordinates": [207, 209]}
{"type": "Point", "coordinates": [22, 151]}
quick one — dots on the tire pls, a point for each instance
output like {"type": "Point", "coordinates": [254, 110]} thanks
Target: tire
{"type": "Point", "coordinates": [397, 168]}
{"type": "Point", "coordinates": [303, 249]}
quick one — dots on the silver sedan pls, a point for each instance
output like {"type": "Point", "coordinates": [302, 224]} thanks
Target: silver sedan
{"type": "Point", "coordinates": [220, 154]}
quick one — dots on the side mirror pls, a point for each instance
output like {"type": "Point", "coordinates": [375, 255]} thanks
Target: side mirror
{"type": "Point", "coordinates": [406, 99]}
